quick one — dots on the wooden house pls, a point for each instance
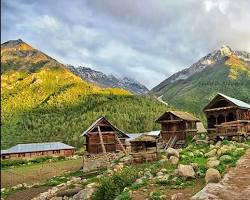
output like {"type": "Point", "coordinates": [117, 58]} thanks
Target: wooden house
{"type": "Point", "coordinates": [34, 150]}
{"type": "Point", "coordinates": [227, 116]}
{"type": "Point", "coordinates": [102, 137]}
{"type": "Point", "coordinates": [175, 126]}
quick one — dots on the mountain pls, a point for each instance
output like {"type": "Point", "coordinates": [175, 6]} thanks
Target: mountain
{"type": "Point", "coordinates": [104, 80]}
{"type": "Point", "coordinates": [42, 100]}
{"type": "Point", "coordinates": [224, 70]}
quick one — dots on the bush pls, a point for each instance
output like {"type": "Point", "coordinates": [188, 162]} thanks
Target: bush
{"type": "Point", "coordinates": [41, 159]}
{"type": "Point", "coordinates": [9, 163]}
{"type": "Point", "coordinates": [110, 187]}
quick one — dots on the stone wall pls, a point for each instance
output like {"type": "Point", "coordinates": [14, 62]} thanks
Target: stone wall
{"type": "Point", "coordinates": [97, 161]}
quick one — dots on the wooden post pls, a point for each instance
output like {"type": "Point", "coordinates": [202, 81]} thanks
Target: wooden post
{"type": "Point", "coordinates": [101, 140]}
{"type": "Point", "coordinates": [119, 141]}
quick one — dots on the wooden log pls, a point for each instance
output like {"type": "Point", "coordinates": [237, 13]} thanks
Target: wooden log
{"type": "Point", "coordinates": [101, 140]}
{"type": "Point", "coordinates": [119, 141]}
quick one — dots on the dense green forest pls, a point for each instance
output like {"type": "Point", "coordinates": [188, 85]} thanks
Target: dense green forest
{"type": "Point", "coordinates": [55, 105]}
{"type": "Point", "coordinates": [194, 93]}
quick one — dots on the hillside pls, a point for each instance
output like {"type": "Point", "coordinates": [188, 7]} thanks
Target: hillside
{"type": "Point", "coordinates": [104, 80]}
{"type": "Point", "coordinates": [42, 100]}
{"type": "Point", "coordinates": [225, 71]}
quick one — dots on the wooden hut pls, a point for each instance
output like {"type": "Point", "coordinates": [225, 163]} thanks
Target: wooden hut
{"type": "Point", "coordinates": [227, 116]}
{"type": "Point", "coordinates": [102, 137]}
{"type": "Point", "coordinates": [175, 126]}
{"type": "Point", "coordinates": [144, 143]}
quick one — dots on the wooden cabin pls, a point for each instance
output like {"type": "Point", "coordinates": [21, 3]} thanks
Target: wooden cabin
{"type": "Point", "coordinates": [175, 126]}
{"type": "Point", "coordinates": [102, 137]}
{"type": "Point", "coordinates": [227, 116]}
{"type": "Point", "coordinates": [35, 150]}
{"type": "Point", "coordinates": [144, 143]}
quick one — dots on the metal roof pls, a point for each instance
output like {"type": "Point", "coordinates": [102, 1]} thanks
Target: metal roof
{"type": "Point", "coordinates": [133, 136]}
{"type": "Point", "coordinates": [237, 102]}
{"type": "Point", "coordinates": [34, 147]}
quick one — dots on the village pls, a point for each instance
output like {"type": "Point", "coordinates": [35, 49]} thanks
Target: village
{"type": "Point", "coordinates": [108, 147]}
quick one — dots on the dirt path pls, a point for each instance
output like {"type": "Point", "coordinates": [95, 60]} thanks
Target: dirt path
{"type": "Point", "coordinates": [27, 194]}
{"type": "Point", "coordinates": [234, 186]}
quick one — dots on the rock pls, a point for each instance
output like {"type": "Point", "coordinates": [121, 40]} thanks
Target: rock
{"type": "Point", "coordinates": [243, 145]}
{"type": "Point", "coordinates": [91, 185]}
{"type": "Point", "coordinates": [3, 189]}
{"type": "Point", "coordinates": [190, 154]}
{"type": "Point", "coordinates": [225, 158]}
{"type": "Point", "coordinates": [159, 174]}
{"type": "Point", "coordinates": [212, 163]}
{"type": "Point", "coordinates": [178, 196]}
{"type": "Point", "coordinates": [195, 166]}
{"type": "Point", "coordinates": [164, 170]}
{"type": "Point", "coordinates": [201, 142]}
{"type": "Point", "coordinates": [164, 177]}
{"type": "Point", "coordinates": [56, 198]}
{"type": "Point", "coordinates": [148, 174]}
{"type": "Point", "coordinates": [118, 167]}
{"type": "Point", "coordinates": [139, 181]}
{"type": "Point", "coordinates": [218, 144]}
{"type": "Point", "coordinates": [68, 193]}
{"type": "Point", "coordinates": [211, 153]}
{"type": "Point", "coordinates": [212, 176]}
{"type": "Point", "coordinates": [172, 152]}
{"type": "Point", "coordinates": [76, 179]}
{"type": "Point", "coordinates": [174, 160]}
{"type": "Point", "coordinates": [224, 149]}
{"type": "Point", "coordinates": [198, 153]}
{"type": "Point", "coordinates": [186, 171]}
{"type": "Point", "coordinates": [84, 194]}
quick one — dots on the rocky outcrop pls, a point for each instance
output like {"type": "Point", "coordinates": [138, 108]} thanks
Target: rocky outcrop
{"type": "Point", "coordinates": [104, 80]}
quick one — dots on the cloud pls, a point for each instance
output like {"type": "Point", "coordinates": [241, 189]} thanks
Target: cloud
{"type": "Point", "coordinates": [147, 40]}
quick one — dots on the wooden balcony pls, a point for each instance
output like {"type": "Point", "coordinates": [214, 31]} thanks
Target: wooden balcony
{"type": "Point", "coordinates": [234, 128]}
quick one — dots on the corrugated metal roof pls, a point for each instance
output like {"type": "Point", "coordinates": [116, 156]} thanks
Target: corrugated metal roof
{"type": "Point", "coordinates": [237, 102]}
{"type": "Point", "coordinates": [144, 138]}
{"type": "Point", "coordinates": [34, 147]}
{"type": "Point", "coordinates": [133, 136]}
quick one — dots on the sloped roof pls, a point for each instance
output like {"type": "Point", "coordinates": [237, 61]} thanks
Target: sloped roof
{"type": "Point", "coordinates": [34, 147]}
{"type": "Point", "coordinates": [93, 125]}
{"type": "Point", "coordinates": [182, 115]}
{"type": "Point", "coordinates": [144, 138]}
{"type": "Point", "coordinates": [133, 136]}
{"type": "Point", "coordinates": [234, 101]}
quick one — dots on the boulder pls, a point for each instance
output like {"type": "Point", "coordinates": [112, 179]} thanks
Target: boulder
{"type": "Point", "coordinates": [211, 153]}
{"type": "Point", "coordinates": [68, 193]}
{"type": "Point", "coordinates": [212, 163]}
{"type": "Point", "coordinates": [212, 176]}
{"type": "Point", "coordinates": [174, 160]}
{"type": "Point", "coordinates": [139, 181]}
{"type": "Point", "coordinates": [195, 166]}
{"type": "Point", "coordinates": [172, 152]}
{"type": "Point", "coordinates": [201, 142]}
{"type": "Point", "coordinates": [186, 171]}
{"type": "Point", "coordinates": [225, 158]}
{"type": "Point", "coordinates": [159, 173]}
{"type": "Point", "coordinates": [177, 196]}
{"type": "Point", "coordinates": [84, 194]}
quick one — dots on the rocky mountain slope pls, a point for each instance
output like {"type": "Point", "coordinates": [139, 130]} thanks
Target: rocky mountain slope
{"type": "Point", "coordinates": [104, 80]}
{"type": "Point", "coordinates": [42, 100]}
{"type": "Point", "coordinates": [210, 60]}
{"type": "Point", "coordinates": [225, 71]}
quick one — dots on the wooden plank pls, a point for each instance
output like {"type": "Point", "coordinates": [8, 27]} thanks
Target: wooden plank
{"type": "Point", "coordinates": [123, 149]}
{"type": "Point", "coordinates": [101, 140]}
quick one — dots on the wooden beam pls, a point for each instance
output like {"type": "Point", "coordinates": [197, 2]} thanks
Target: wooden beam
{"type": "Point", "coordinates": [120, 143]}
{"type": "Point", "coordinates": [101, 140]}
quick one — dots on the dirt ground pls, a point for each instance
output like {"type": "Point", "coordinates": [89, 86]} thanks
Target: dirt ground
{"type": "Point", "coordinates": [27, 194]}
{"type": "Point", "coordinates": [144, 192]}
{"type": "Point", "coordinates": [37, 173]}
{"type": "Point", "coordinates": [234, 186]}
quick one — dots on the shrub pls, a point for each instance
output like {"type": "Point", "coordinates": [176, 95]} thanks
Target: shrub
{"type": "Point", "coordinates": [9, 163]}
{"type": "Point", "coordinates": [112, 186]}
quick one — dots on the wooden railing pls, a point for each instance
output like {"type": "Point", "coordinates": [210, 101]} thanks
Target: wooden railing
{"type": "Point", "coordinates": [230, 129]}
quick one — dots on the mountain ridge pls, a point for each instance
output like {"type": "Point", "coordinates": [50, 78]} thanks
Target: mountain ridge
{"type": "Point", "coordinates": [210, 60]}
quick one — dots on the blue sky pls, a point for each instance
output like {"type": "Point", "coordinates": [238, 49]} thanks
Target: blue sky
{"type": "Point", "coordinates": [147, 40]}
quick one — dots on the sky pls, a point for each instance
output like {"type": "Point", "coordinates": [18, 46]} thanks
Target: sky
{"type": "Point", "coordinates": [147, 40]}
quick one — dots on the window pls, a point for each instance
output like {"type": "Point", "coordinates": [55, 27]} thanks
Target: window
{"type": "Point", "coordinates": [56, 152]}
